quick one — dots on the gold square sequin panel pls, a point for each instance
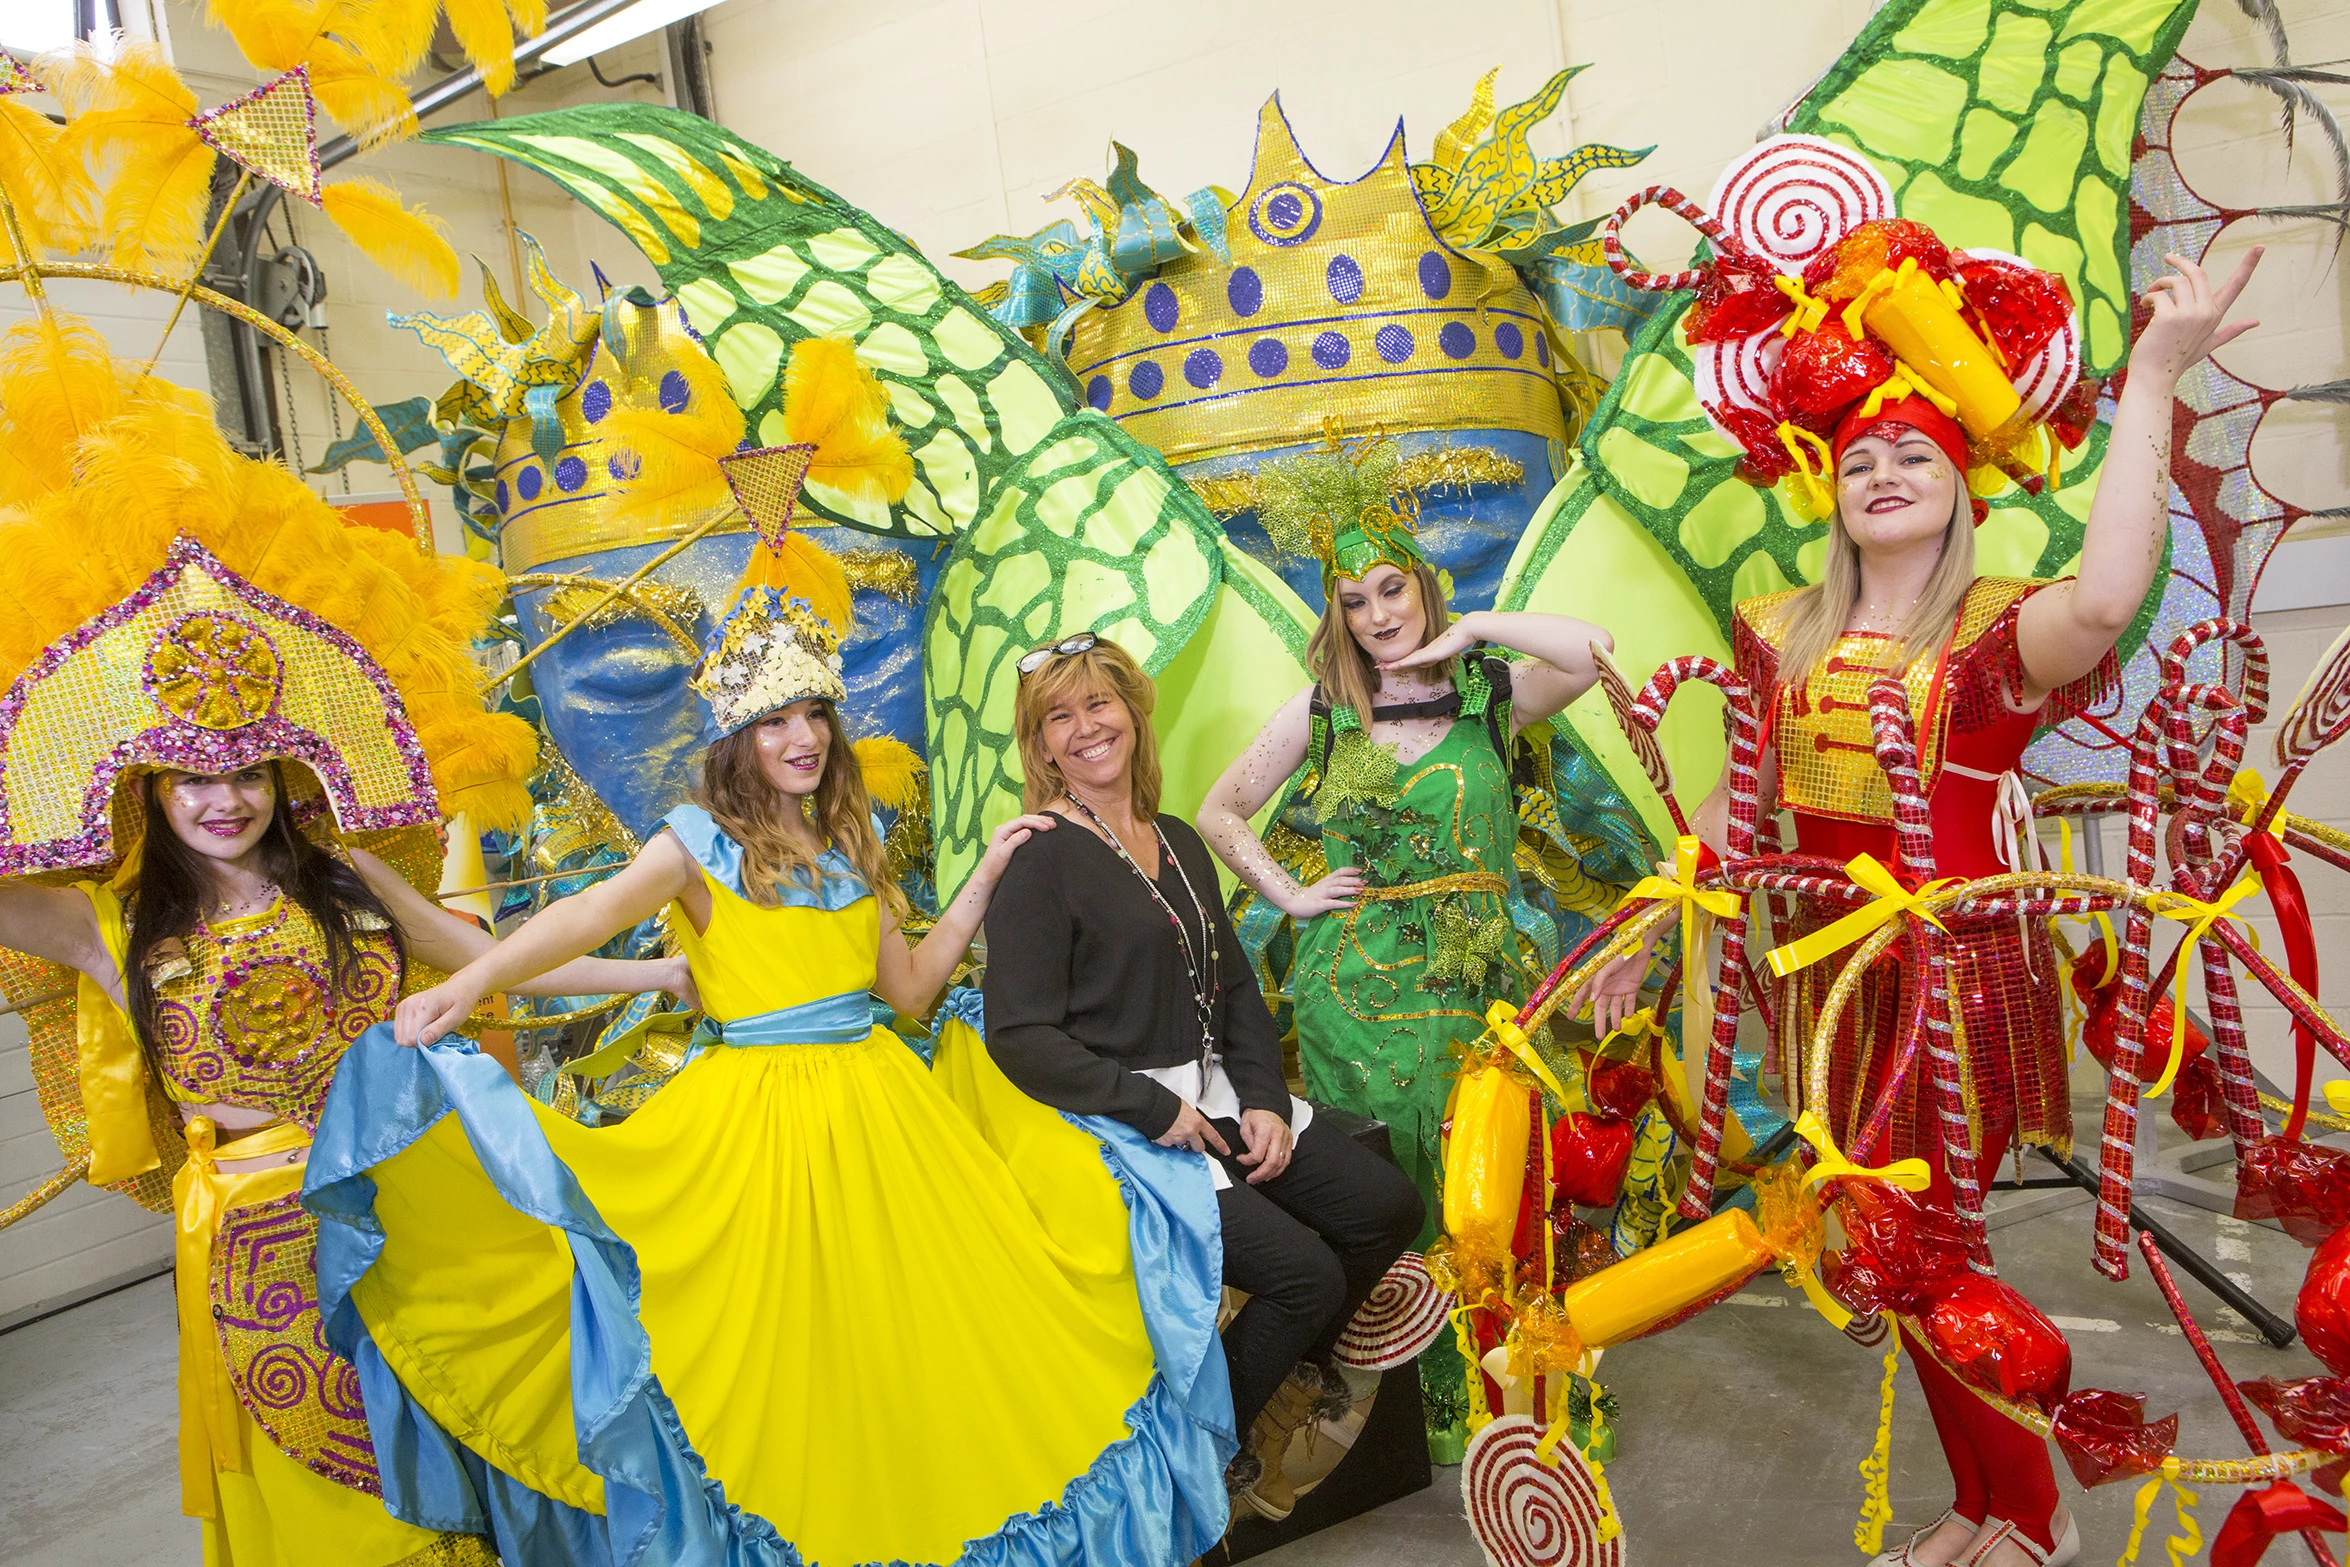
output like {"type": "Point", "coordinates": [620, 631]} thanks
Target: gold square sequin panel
{"type": "Point", "coordinates": [200, 671]}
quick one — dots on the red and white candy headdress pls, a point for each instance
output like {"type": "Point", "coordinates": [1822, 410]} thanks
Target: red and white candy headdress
{"type": "Point", "coordinates": [1821, 311]}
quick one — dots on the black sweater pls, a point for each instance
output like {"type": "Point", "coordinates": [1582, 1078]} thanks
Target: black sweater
{"type": "Point", "coordinates": [1086, 984]}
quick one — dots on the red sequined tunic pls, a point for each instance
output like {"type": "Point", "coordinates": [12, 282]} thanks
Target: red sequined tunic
{"type": "Point", "coordinates": [2012, 1061]}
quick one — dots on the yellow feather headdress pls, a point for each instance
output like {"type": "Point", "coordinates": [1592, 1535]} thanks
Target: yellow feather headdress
{"type": "Point", "coordinates": [123, 482]}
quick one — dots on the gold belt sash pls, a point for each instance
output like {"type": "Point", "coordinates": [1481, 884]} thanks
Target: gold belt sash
{"type": "Point", "coordinates": [1462, 881]}
{"type": "Point", "coordinates": [211, 1434]}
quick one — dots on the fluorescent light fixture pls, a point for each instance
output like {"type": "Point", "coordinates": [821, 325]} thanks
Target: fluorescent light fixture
{"type": "Point", "coordinates": [36, 26]}
{"type": "Point", "coordinates": [634, 22]}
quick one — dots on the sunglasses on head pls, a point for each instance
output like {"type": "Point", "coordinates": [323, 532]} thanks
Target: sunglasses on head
{"type": "Point", "coordinates": [1031, 662]}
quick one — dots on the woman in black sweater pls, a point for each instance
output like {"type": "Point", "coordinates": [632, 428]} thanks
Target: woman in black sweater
{"type": "Point", "coordinates": [1115, 986]}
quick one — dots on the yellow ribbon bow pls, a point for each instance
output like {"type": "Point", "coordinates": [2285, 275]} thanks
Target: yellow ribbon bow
{"type": "Point", "coordinates": [1693, 900]}
{"type": "Point", "coordinates": [1892, 900]}
{"type": "Point", "coordinates": [2248, 794]}
{"type": "Point", "coordinates": [1911, 1175]}
{"type": "Point", "coordinates": [1501, 1021]}
{"type": "Point", "coordinates": [2198, 916]}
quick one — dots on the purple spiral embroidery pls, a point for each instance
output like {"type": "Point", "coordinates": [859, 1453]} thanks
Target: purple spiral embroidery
{"type": "Point", "coordinates": [278, 1377]}
{"type": "Point", "coordinates": [278, 1305]}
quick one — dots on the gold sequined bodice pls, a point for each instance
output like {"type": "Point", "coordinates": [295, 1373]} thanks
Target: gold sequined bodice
{"type": "Point", "coordinates": [248, 1014]}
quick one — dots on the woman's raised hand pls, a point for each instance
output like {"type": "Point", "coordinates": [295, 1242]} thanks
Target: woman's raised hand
{"type": "Point", "coordinates": [429, 1014]}
{"type": "Point", "coordinates": [2190, 317]}
{"type": "Point", "coordinates": [1332, 894]}
{"type": "Point", "coordinates": [1451, 642]}
{"type": "Point", "coordinates": [1007, 838]}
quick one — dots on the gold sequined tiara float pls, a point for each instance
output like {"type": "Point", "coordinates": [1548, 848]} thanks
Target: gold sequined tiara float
{"type": "Point", "coordinates": [171, 604]}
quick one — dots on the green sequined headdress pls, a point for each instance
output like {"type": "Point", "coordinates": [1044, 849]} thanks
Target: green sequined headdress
{"type": "Point", "coordinates": [1348, 510]}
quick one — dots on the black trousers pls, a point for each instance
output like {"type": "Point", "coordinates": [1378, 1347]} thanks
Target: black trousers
{"type": "Point", "coordinates": [1307, 1246]}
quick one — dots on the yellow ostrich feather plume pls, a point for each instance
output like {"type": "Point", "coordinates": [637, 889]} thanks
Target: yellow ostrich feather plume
{"type": "Point", "coordinates": [894, 775]}
{"type": "Point", "coordinates": [151, 466]}
{"type": "Point", "coordinates": [833, 403]}
{"type": "Point", "coordinates": [485, 30]}
{"type": "Point", "coordinates": [407, 242]}
{"type": "Point", "coordinates": [129, 125]}
{"type": "Point", "coordinates": [48, 186]}
{"type": "Point", "coordinates": [356, 52]}
{"type": "Point", "coordinates": [807, 571]}
{"type": "Point", "coordinates": [677, 454]}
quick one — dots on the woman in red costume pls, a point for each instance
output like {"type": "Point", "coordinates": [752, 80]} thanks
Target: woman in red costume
{"type": "Point", "coordinates": [1987, 662]}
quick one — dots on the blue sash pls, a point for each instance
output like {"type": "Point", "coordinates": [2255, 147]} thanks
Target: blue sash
{"type": "Point", "coordinates": [845, 1019]}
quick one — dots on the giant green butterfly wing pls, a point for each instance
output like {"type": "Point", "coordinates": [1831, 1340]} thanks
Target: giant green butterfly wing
{"type": "Point", "coordinates": [1090, 532]}
{"type": "Point", "coordinates": [760, 257]}
{"type": "Point", "coordinates": [1653, 535]}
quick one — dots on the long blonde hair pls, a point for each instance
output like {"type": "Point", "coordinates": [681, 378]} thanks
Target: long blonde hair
{"type": "Point", "coordinates": [745, 803]}
{"type": "Point", "coordinates": [1816, 616]}
{"type": "Point", "coordinates": [1340, 666]}
{"type": "Point", "coordinates": [1105, 667]}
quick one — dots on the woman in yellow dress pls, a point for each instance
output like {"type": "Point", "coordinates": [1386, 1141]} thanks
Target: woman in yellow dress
{"type": "Point", "coordinates": [813, 1303]}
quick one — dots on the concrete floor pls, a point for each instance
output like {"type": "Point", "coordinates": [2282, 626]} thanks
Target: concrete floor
{"type": "Point", "coordinates": [1738, 1443]}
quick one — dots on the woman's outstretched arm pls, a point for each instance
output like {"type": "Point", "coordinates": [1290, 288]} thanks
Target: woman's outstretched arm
{"type": "Point", "coordinates": [910, 977]}
{"type": "Point", "coordinates": [1560, 645]}
{"type": "Point", "coordinates": [562, 931]}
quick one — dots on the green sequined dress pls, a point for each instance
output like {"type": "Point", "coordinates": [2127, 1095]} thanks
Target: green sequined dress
{"type": "Point", "coordinates": [1383, 991]}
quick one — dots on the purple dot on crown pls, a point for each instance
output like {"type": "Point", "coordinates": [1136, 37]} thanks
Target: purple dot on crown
{"type": "Point", "coordinates": [595, 402]}
{"type": "Point", "coordinates": [529, 482]}
{"type": "Point", "coordinates": [1331, 350]}
{"type": "Point", "coordinates": [621, 466]}
{"type": "Point", "coordinates": [1394, 343]}
{"type": "Point", "coordinates": [1435, 275]}
{"type": "Point", "coordinates": [1457, 341]}
{"type": "Point", "coordinates": [503, 497]}
{"type": "Point", "coordinates": [1098, 392]}
{"type": "Point", "coordinates": [1159, 307]}
{"type": "Point", "coordinates": [1284, 210]}
{"type": "Point", "coordinates": [1145, 380]}
{"type": "Point", "coordinates": [1245, 291]}
{"type": "Point", "coordinates": [1509, 340]}
{"type": "Point", "coordinates": [673, 392]}
{"type": "Point", "coordinates": [570, 474]}
{"type": "Point", "coordinates": [1542, 350]}
{"type": "Point", "coordinates": [1345, 279]}
{"type": "Point", "coordinates": [1267, 357]}
{"type": "Point", "coordinates": [1203, 368]}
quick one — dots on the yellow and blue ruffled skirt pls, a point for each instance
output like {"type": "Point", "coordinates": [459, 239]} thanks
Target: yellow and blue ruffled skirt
{"type": "Point", "coordinates": [812, 1304]}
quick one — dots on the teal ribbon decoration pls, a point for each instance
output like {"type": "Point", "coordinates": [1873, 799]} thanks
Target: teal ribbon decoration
{"type": "Point", "coordinates": [845, 1019]}
{"type": "Point", "coordinates": [546, 426]}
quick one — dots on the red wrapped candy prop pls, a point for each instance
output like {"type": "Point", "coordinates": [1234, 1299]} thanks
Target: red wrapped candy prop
{"type": "Point", "coordinates": [1739, 297]}
{"type": "Point", "coordinates": [2314, 1411]}
{"type": "Point", "coordinates": [2195, 1093]}
{"type": "Point", "coordinates": [2020, 307]}
{"type": "Point", "coordinates": [2302, 1186]}
{"type": "Point", "coordinates": [2106, 1436]}
{"type": "Point", "coordinates": [2322, 1311]}
{"type": "Point", "coordinates": [1994, 1339]}
{"type": "Point", "coordinates": [1825, 371]}
{"type": "Point", "coordinates": [1588, 1154]}
{"type": "Point", "coordinates": [2262, 1514]}
{"type": "Point", "coordinates": [1898, 1249]}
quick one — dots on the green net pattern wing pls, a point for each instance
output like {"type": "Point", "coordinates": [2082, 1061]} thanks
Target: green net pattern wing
{"type": "Point", "coordinates": [759, 256]}
{"type": "Point", "coordinates": [1091, 533]}
{"type": "Point", "coordinates": [2008, 126]}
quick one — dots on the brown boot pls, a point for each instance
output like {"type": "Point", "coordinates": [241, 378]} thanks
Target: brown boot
{"type": "Point", "coordinates": [1292, 1408]}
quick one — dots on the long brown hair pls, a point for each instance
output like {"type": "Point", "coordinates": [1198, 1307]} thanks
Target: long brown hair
{"type": "Point", "coordinates": [751, 810]}
{"type": "Point", "coordinates": [175, 883]}
{"type": "Point", "coordinates": [1816, 616]}
{"type": "Point", "coordinates": [1105, 667]}
{"type": "Point", "coordinates": [1340, 666]}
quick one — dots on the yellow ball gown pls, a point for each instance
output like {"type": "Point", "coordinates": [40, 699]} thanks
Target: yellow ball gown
{"type": "Point", "coordinates": [813, 1304]}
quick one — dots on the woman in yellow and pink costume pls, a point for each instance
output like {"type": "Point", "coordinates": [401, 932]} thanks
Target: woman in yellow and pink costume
{"type": "Point", "coordinates": [232, 728]}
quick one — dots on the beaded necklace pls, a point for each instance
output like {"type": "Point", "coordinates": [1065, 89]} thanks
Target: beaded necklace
{"type": "Point", "coordinates": [1203, 991]}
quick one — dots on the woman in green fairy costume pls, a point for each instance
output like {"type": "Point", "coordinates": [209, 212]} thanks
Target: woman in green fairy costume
{"type": "Point", "coordinates": [1406, 936]}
